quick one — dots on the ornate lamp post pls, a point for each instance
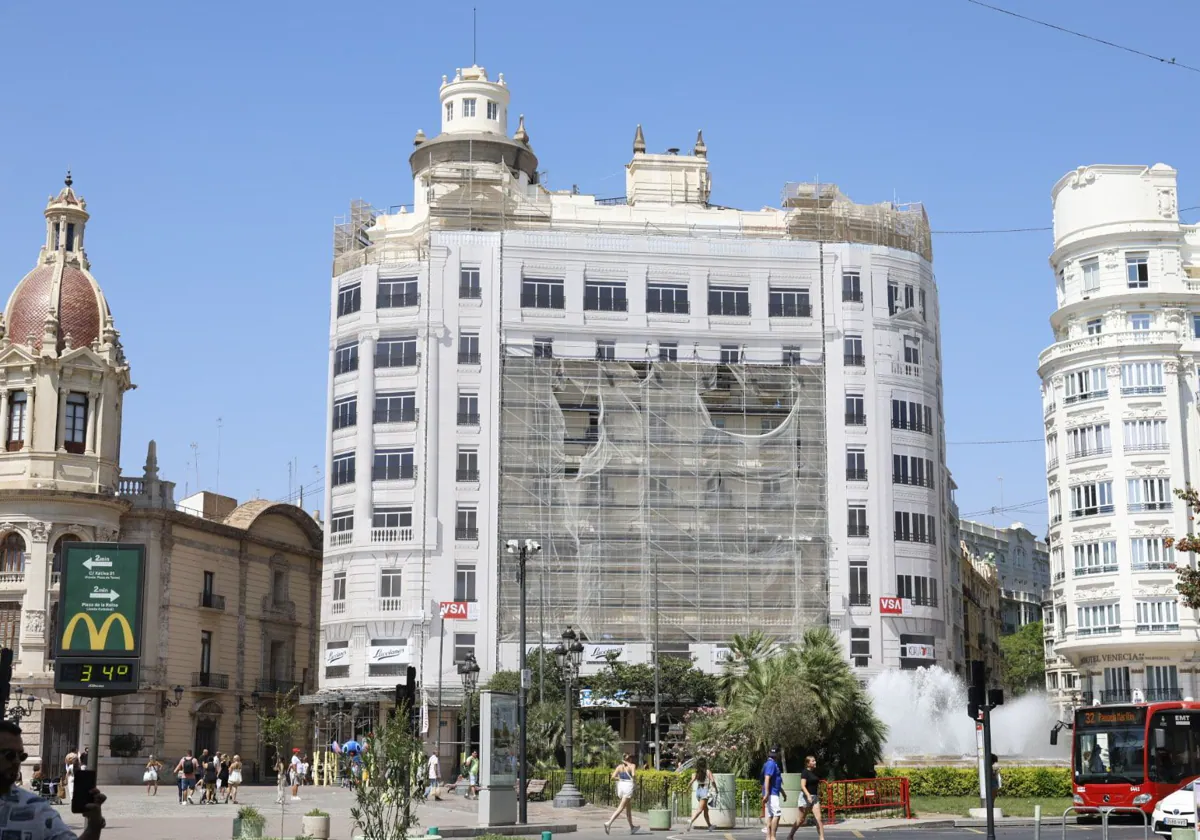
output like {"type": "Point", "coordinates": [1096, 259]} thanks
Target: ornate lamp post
{"type": "Point", "coordinates": [522, 550]}
{"type": "Point", "coordinates": [468, 671]}
{"type": "Point", "coordinates": [569, 655]}
{"type": "Point", "coordinates": [18, 711]}
{"type": "Point", "coordinates": [166, 704]}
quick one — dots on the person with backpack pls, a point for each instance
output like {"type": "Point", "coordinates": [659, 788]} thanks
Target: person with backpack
{"type": "Point", "coordinates": [187, 783]}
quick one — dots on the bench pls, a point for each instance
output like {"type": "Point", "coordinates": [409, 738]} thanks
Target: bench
{"type": "Point", "coordinates": [535, 789]}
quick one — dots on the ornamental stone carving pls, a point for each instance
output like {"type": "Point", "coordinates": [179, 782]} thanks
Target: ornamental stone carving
{"type": "Point", "coordinates": [1171, 368]}
{"type": "Point", "coordinates": [107, 534]}
{"type": "Point", "coordinates": [1110, 259]}
{"type": "Point", "coordinates": [40, 531]}
{"type": "Point", "coordinates": [1114, 370]}
{"type": "Point", "coordinates": [7, 527]}
{"type": "Point", "coordinates": [1166, 203]}
{"type": "Point", "coordinates": [35, 621]}
{"type": "Point", "coordinates": [1081, 177]}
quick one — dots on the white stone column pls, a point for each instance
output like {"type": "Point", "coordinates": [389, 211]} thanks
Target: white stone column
{"type": "Point", "coordinates": [364, 450]}
{"type": "Point", "coordinates": [61, 433]}
{"type": "Point", "coordinates": [30, 393]}
{"type": "Point", "coordinates": [93, 401]}
{"type": "Point", "coordinates": [428, 446]}
{"type": "Point", "coordinates": [98, 442]}
{"type": "Point", "coordinates": [35, 617]}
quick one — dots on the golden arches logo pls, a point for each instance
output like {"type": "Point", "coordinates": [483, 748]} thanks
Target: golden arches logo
{"type": "Point", "coordinates": [98, 638]}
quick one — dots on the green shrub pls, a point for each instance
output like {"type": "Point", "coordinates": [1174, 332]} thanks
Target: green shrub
{"type": "Point", "coordinates": [317, 812]}
{"type": "Point", "coordinates": [1022, 782]}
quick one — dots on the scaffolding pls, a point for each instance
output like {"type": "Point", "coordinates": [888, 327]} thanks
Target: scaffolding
{"type": "Point", "coordinates": [679, 499]}
{"type": "Point", "coordinates": [822, 213]}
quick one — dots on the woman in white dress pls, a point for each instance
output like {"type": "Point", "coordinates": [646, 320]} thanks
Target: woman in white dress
{"type": "Point", "coordinates": [72, 761]}
{"type": "Point", "coordinates": [235, 777]}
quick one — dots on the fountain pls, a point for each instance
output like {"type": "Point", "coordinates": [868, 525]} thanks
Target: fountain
{"type": "Point", "coordinates": [926, 714]}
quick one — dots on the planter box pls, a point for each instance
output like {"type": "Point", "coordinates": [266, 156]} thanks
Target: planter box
{"type": "Point", "coordinates": [245, 828]}
{"type": "Point", "coordinates": [316, 827]}
{"type": "Point", "coordinates": [660, 819]}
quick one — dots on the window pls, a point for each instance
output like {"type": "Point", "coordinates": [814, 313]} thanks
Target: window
{"type": "Point", "coordinates": [1087, 384]}
{"type": "Point", "coordinates": [604, 296]}
{"type": "Point", "coordinates": [606, 351]}
{"type": "Point", "coordinates": [449, 111]}
{"type": "Point", "coordinates": [893, 292]}
{"type": "Point", "coordinates": [856, 412]}
{"type": "Point", "coordinates": [543, 348]}
{"type": "Point", "coordinates": [10, 624]}
{"type": "Point", "coordinates": [1143, 435]}
{"type": "Point", "coordinates": [912, 416]}
{"type": "Point", "coordinates": [205, 654]}
{"type": "Point", "coordinates": [393, 465]}
{"type": "Point", "coordinates": [857, 520]}
{"type": "Point", "coordinates": [1142, 378]}
{"type": "Point", "coordinates": [1051, 451]}
{"type": "Point", "coordinates": [1160, 615]}
{"type": "Point", "coordinates": [345, 413]}
{"type": "Point", "coordinates": [789, 303]}
{"type": "Point", "coordinates": [1055, 507]}
{"type": "Point", "coordinates": [12, 554]}
{"type": "Point", "coordinates": [728, 300]}
{"type": "Point", "coordinates": [468, 107]}
{"type": "Point", "coordinates": [852, 286]}
{"type": "Point", "coordinates": [922, 591]}
{"type": "Point", "coordinates": [668, 351]}
{"type": "Point", "coordinates": [343, 469]}
{"type": "Point", "coordinates": [396, 407]}
{"type": "Point", "coordinates": [1086, 441]}
{"type": "Point", "coordinates": [396, 352]}
{"type": "Point", "coordinates": [908, 296]}
{"type": "Point", "coordinates": [468, 409]}
{"type": "Point", "coordinates": [391, 524]}
{"type": "Point", "coordinates": [921, 297]}
{"type": "Point", "coordinates": [1150, 554]}
{"type": "Point", "coordinates": [1091, 275]}
{"type": "Point", "coordinates": [464, 646]}
{"type": "Point", "coordinates": [468, 465]}
{"type": "Point", "coordinates": [1137, 269]}
{"type": "Point", "coordinates": [912, 469]}
{"type": "Point", "coordinates": [915, 527]}
{"type": "Point", "coordinates": [912, 350]}
{"type": "Point", "coordinates": [394, 294]}
{"type": "Point", "coordinates": [1196, 326]}
{"type": "Point", "coordinates": [468, 349]}
{"type": "Point", "coordinates": [56, 562]}
{"type": "Point", "coordinates": [1091, 499]}
{"type": "Point", "coordinates": [852, 347]}
{"type": "Point", "coordinates": [75, 424]}
{"type": "Point", "coordinates": [339, 586]}
{"type": "Point", "coordinates": [1095, 326]}
{"type": "Point", "coordinates": [1149, 494]}
{"type": "Point", "coordinates": [860, 646]}
{"type": "Point", "coordinates": [1058, 565]}
{"type": "Point", "coordinates": [542, 293]}
{"type": "Point", "coordinates": [668, 298]}
{"type": "Point", "coordinates": [1094, 558]}
{"type": "Point", "coordinates": [18, 405]}
{"type": "Point", "coordinates": [1162, 683]}
{"type": "Point", "coordinates": [856, 464]}
{"type": "Point", "coordinates": [390, 581]}
{"type": "Point", "coordinates": [341, 522]}
{"type": "Point", "coordinates": [349, 299]}
{"type": "Point", "coordinates": [1139, 321]}
{"type": "Point", "coordinates": [493, 110]}
{"type": "Point", "coordinates": [860, 589]}
{"type": "Point", "coordinates": [792, 355]}
{"type": "Point", "coordinates": [464, 582]}
{"type": "Point", "coordinates": [468, 283]}
{"type": "Point", "coordinates": [345, 358]}
{"type": "Point", "coordinates": [731, 354]}
{"type": "Point", "coordinates": [466, 524]}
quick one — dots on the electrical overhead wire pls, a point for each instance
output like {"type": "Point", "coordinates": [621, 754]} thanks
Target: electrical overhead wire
{"type": "Point", "coordinates": [1023, 507]}
{"type": "Point", "coordinates": [1168, 61]}
{"type": "Point", "coordinates": [991, 442]}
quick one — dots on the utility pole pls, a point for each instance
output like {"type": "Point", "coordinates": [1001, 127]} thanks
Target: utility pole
{"type": "Point", "coordinates": [522, 550]}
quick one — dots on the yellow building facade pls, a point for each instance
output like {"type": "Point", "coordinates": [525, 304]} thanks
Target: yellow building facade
{"type": "Point", "coordinates": [981, 611]}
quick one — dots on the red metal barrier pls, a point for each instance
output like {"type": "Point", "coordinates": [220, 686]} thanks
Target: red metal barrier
{"type": "Point", "coordinates": [859, 797]}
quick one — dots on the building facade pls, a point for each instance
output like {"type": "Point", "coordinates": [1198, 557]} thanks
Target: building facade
{"type": "Point", "coordinates": [1023, 564]}
{"type": "Point", "coordinates": [711, 420]}
{"type": "Point", "coordinates": [63, 379]}
{"type": "Point", "coordinates": [1119, 389]}
{"type": "Point", "coordinates": [982, 609]}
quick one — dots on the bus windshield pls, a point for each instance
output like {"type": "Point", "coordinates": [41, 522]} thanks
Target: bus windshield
{"type": "Point", "coordinates": [1110, 746]}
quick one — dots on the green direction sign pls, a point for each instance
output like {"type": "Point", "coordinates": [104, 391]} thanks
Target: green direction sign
{"type": "Point", "coordinates": [100, 608]}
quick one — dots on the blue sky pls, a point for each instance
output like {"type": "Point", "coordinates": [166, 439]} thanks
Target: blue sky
{"type": "Point", "coordinates": [216, 143]}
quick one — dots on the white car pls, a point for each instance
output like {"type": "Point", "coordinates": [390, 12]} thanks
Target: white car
{"type": "Point", "coordinates": [1175, 810]}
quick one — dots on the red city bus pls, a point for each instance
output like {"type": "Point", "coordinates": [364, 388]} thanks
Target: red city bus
{"type": "Point", "coordinates": [1132, 755]}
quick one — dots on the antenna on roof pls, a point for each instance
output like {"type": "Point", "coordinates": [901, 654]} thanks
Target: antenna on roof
{"type": "Point", "coordinates": [474, 30]}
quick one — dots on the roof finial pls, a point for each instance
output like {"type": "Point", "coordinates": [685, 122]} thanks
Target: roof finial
{"type": "Point", "coordinates": [521, 136]}
{"type": "Point", "coordinates": [68, 180]}
{"type": "Point", "coordinates": [639, 142]}
{"type": "Point", "coordinates": [700, 150]}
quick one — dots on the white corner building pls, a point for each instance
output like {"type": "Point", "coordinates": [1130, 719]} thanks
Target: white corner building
{"type": "Point", "coordinates": [1119, 393]}
{"type": "Point", "coordinates": [711, 420]}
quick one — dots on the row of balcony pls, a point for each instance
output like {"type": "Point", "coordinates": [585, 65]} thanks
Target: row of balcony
{"type": "Point", "coordinates": [1110, 339]}
{"type": "Point", "coordinates": [265, 685]}
{"type": "Point", "coordinates": [1125, 695]}
{"type": "Point", "coordinates": [381, 606]}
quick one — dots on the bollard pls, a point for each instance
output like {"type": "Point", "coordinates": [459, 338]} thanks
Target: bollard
{"type": "Point", "coordinates": [1037, 822]}
{"type": "Point", "coordinates": [546, 835]}
{"type": "Point", "coordinates": [433, 829]}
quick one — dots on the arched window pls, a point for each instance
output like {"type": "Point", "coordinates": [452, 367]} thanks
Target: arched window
{"type": "Point", "coordinates": [60, 547]}
{"type": "Point", "coordinates": [12, 554]}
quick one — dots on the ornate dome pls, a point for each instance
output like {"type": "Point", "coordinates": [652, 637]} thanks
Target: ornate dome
{"type": "Point", "coordinates": [70, 293]}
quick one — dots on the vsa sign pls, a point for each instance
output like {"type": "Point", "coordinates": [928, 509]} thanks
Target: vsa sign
{"type": "Point", "coordinates": [894, 606]}
{"type": "Point", "coordinates": [458, 610]}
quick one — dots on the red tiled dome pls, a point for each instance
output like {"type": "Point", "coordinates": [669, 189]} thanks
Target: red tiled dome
{"type": "Point", "coordinates": [80, 306]}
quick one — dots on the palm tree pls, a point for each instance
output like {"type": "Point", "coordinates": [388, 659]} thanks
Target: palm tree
{"type": "Point", "coordinates": [595, 743]}
{"type": "Point", "coordinates": [745, 651]}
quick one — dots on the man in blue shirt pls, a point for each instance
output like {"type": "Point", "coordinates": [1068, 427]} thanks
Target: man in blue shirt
{"type": "Point", "coordinates": [772, 793]}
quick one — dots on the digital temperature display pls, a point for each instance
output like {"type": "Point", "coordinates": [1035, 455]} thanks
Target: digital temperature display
{"type": "Point", "coordinates": [99, 677]}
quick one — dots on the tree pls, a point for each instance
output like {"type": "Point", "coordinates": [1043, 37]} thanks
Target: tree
{"type": "Point", "coordinates": [1188, 581]}
{"type": "Point", "coordinates": [385, 804]}
{"type": "Point", "coordinates": [1023, 660]}
{"type": "Point", "coordinates": [277, 728]}
{"type": "Point", "coordinates": [744, 651]}
{"type": "Point", "coordinates": [545, 677]}
{"type": "Point", "coordinates": [596, 743]}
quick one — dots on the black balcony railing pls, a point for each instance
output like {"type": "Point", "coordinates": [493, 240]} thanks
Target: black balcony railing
{"type": "Point", "coordinates": [466, 533]}
{"type": "Point", "coordinates": [786, 310]}
{"type": "Point", "coordinates": [930, 600]}
{"type": "Point", "coordinates": [207, 679]}
{"type": "Point", "coordinates": [856, 419]}
{"type": "Point", "coordinates": [212, 601]}
{"type": "Point", "coordinates": [269, 685]}
{"type": "Point", "coordinates": [856, 474]}
{"type": "Point", "coordinates": [468, 419]}
{"type": "Point", "coordinates": [397, 415]}
{"type": "Point", "coordinates": [467, 475]}
{"type": "Point", "coordinates": [1162, 695]}
{"type": "Point", "coordinates": [860, 599]}
{"type": "Point", "coordinates": [1116, 695]}
{"type": "Point", "coordinates": [855, 360]}
{"type": "Point", "coordinates": [858, 531]}
{"type": "Point", "coordinates": [470, 292]}
{"type": "Point", "coordinates": [852, 296]}
{"type": "Point", "coordinates": [468, 358]}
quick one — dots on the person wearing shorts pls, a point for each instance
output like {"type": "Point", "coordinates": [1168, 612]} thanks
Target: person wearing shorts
{"type": "Point", "coordinates": [186, 770]}
{"type": "Point", "coordinates": [810, 798]}
{"type": "Point", "coordinates": [772, 792]}
{"type": "Point", "coordinates": [623, 776]}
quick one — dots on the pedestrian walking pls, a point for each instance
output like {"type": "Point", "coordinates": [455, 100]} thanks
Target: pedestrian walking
{"type": "Point", "coordinates": [473, 773]}
{"type": "Point", "coordinates": [706, 786]}
{"type": "Point", "coordinates": [235, 777]}
{"type": "Point", "coordinates": [150, 776]}
{"type": "Point", "coordinates": [623, 775]}
{"type": "Point", "coordinates": [186, 770]}
{"type": "Point", "coordinates": [280, 780]}
{"type": "Point", "coordinates": [773, 795]}
{"type": "Point", "coordinates": [435, 777]}
{"type": "Point", "coordinates": [211, 772]}
{"type": "Point", "coordinates": [223, 778]}
{"type": "Point", "coordinates": [71, 764]}
{"type": "Point", "coordinates": [810, 798]}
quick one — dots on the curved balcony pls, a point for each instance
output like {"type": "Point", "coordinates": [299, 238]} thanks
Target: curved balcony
{"type": "Point", "coordinates": [1106, 341]}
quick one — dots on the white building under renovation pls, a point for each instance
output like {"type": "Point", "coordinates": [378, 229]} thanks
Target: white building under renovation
{"type": "Point", "coordinates": [712, 420]}
{"type": "Point", "coordinates": [1119, 389]}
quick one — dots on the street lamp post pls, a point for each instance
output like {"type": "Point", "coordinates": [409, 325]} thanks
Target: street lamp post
{"type": "Point", "coordinates": [468, 671]}
{"type": "Point", "coordinates": [522, 550]}
{"type": "Point", "coordinates": [17, 711]}
{"type": "Point", "coordinates": [569, 655]}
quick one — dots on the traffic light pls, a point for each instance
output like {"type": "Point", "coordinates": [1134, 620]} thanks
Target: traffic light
{"type": "Point", "coordinates": [995, 697]}
{"type": "Point", "coordinates": [976, 689]}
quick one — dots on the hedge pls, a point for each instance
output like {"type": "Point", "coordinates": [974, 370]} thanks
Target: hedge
{"type": "Point", "coordinates": [652, 788]}
{"type": "Point", "coordinates": [964, 781]}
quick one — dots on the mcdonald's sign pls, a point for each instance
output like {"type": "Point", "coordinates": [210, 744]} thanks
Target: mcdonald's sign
{"type": "Point", "coordinates": [100, 605]}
